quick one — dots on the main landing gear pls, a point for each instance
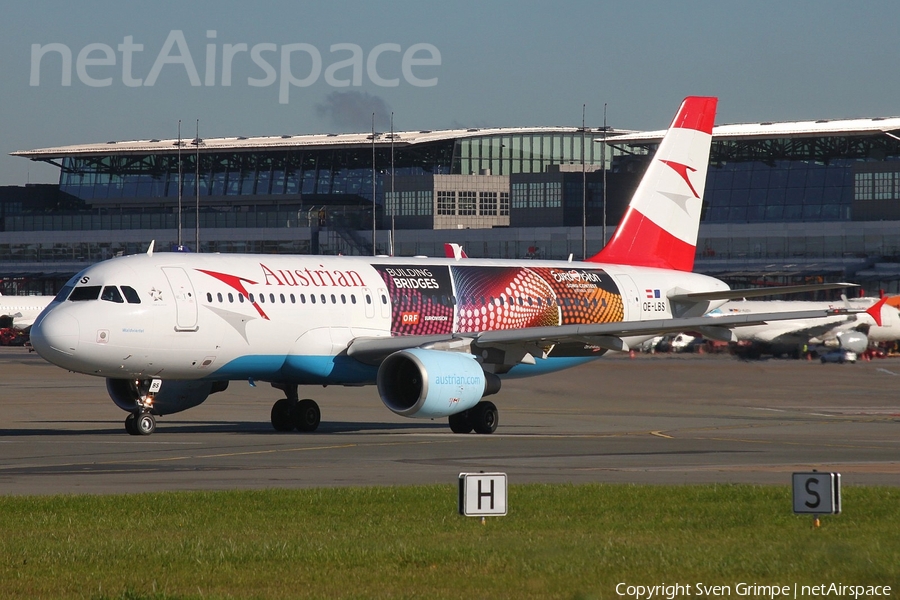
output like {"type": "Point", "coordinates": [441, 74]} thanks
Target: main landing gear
{"type": "Point", "coordinates": [291, 413]}
{"type": "Point", "coordinates": [482, 418]}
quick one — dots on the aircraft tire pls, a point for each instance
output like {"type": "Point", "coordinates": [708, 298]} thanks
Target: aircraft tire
{"type": "Point", "coordinates": [130, 427]}
{"type": "Point", "coordinates": [145, 424]}
{"type": "Point", "coordinates": [281, 415]}
{"type": "Point", "coordinates": [459, 423]}
{"type": "Point", "coordinates": [484, 417]}
{"type": "Point", "coordinates": [305, 415]}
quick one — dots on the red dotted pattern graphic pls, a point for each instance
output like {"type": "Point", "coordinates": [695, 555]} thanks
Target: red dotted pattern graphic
{"type": "Point", "coordinates": [490, 298]}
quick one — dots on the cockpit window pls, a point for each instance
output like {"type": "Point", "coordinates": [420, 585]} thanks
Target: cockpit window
{"type": "Point", "coordinates": [63, 294]}
{"type": "Point", "coordinates": [88, 292]}
{"type": "Point", "coordinates": [131, 295]}
{"type": "Point", "coordinates": [112, 294]}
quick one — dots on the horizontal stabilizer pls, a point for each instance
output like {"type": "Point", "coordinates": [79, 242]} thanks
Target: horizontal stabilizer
{"type": "Point", "coordinates": [757, 292]}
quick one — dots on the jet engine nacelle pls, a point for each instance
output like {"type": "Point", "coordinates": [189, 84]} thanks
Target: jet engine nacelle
{"type": "Point", "coordinates": [172, 397]}
{"type": "Point", "coordinates": [854, 341]}
{"type": "Point", "coordinates": [428, 384]}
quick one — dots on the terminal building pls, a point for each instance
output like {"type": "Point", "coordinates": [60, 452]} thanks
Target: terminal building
{"type": "Point", "coordinates": [785, 202]}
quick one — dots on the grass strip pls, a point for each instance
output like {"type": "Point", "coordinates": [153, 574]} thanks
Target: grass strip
{"type": "Point", "coordinates": [558, 541]}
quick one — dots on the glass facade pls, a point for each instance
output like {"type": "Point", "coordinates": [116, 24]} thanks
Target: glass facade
{"type": "Point", "coordinates": [118, 178]}
{"type": "Point", "coordinates": [803, 178]}
{"type": "Point", "coordinates": [757, 191]}
{"type": "Point", "coordinates": [523, 153]}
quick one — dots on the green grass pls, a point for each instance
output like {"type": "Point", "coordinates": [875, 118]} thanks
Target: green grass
{"type": "Point", "coordinates": [408, 542]}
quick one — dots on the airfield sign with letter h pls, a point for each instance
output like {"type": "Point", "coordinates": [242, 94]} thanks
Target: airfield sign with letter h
{"type": "Point", "coordinates": [482, 494]}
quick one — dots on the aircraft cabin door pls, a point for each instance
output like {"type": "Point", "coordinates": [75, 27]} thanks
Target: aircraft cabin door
{"type": "Point", "coordinates": [185, 299]}
{"type": "Point", "coordinates": [631, 297]}
{"type": "Point", "coordinates": [384, 302]}
{"type": "Point", "coordinates": [369, 300]}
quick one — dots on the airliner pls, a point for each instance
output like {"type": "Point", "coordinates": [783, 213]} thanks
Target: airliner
{"type": "Point", "coordinates": [434, 335]}
{"type": "Point", "coordinates": [20, 312]}
{"type": "Point", "coordinates": [878, 322]}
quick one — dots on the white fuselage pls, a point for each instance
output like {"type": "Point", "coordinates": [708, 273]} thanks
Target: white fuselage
{"type": "Point", "coordinates": [291, 318]}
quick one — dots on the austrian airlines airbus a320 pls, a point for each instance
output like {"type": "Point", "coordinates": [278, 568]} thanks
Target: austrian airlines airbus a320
{"type": "Point", "coordinates": [436, 335]}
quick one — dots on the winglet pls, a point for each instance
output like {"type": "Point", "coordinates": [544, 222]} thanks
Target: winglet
{"type": "Point", "coordinates": [660, 227]}
{"type": "Point", "coordinates": [454, 251]}
{"type": "Point", "coordinates": [874, 311]}
{"type": "Point", "coordinates": [150, 249]}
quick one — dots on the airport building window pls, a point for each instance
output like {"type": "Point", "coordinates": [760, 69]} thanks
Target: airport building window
{"type": "Point", "coordinates": [466, 206]}
{"type": "Point", "coordinates": [504, 204]}
{"type": "Point", "coordinates": [487, 205]}
{"type": "Point", "coordinates": [863, 187]}
{"type": "Point", "coordinates": [883, 186]}
{"type": "Point", "coordinates": [446, 203]}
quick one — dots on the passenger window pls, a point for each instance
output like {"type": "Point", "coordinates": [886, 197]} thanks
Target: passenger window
{"type": "Point", "coordinates": [384, 299]}
{"type": "Point", "coordinates": [131, 296]}
{"type": "Point", "coordinates": [333, 299]}
{"type": "Point", "coordinates": [111, 294]}
{"type": "Point", "coordinates": [353, 298]}
{"type": "Point", "coordinates": [302, 298]}
{"type": "Point", "coordinates": [293, 299]}
{"type": "Point", "coordinates": [272, 298]}
{"type": "Point", "coordinates": [322, 298]}
{"type": "Point", "coordinates": [89, 292]}
{"type": "Point", "coordinates": [219, 297]}
{"type": "Point", "coordinates": [230, 297]}
{"type": "Point", "coordinates": [262, 298]}
{"type": "Point", "coordinates": [343, 299]}
{"type": "Point", "coordinates": [241, 298]}
{"type": "Point", "coordinates": [312, 298]}
{"type": "Point", "coordinates": [209, 297]}
{"type": "Point", "coordinates": [281, 296]}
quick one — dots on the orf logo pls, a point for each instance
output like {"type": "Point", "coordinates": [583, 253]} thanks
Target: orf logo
{"type": "Point", "coordinates": [409, 318]}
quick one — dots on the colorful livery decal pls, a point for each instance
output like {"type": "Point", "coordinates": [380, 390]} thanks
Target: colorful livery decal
{"type": "Point", "coordinates": [466, 299]}
{"type": "Point", "coordinates": [420, 299]}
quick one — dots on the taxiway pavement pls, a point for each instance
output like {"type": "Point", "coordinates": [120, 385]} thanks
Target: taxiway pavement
{"type": "Point", "coordinates": [651, 419]}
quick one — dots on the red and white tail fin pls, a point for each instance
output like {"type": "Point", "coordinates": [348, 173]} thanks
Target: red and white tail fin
{"type": "Point", "coordinates": [875, 310]}
{"type": "Point", "coordinates": [454, 251]}
{"type": "Point", "coordinates": [660, 227]}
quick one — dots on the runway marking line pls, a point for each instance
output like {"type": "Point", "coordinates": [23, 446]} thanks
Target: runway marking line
{"type": "Point", "coordinates": [139, 461]}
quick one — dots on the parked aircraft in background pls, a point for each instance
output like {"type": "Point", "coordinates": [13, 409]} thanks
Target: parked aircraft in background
{"type": "Point", "coordinates": [436, 335]}
{"type": "Point", "coordinates": [854, 332]}
{"type": "Point", "coordinates": [19, 312]}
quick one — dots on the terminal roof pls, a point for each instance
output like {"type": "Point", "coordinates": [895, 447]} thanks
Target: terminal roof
{"type": "Point", "coordinates": [823, 127]}
{"type": "Point", "coordinates": [292, 142]}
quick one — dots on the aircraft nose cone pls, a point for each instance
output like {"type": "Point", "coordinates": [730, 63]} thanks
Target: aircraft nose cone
{"type": "Point", "coordinates": [55, 333]}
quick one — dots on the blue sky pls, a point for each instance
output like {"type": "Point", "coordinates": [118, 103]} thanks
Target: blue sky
{"type": "Point", "coordinates": [502, 63]}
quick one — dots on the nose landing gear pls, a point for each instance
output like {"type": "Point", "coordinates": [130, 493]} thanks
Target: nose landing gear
{"type": "Point", "coordinates": [141, 421]}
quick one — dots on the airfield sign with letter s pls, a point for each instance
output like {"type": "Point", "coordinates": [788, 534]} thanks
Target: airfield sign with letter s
{"type": "Point", "coordinates": [817, 493]}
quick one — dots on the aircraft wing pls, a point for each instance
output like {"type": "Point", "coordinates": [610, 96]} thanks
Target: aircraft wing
{"type": "Point", "coordinates": [372, 350]}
